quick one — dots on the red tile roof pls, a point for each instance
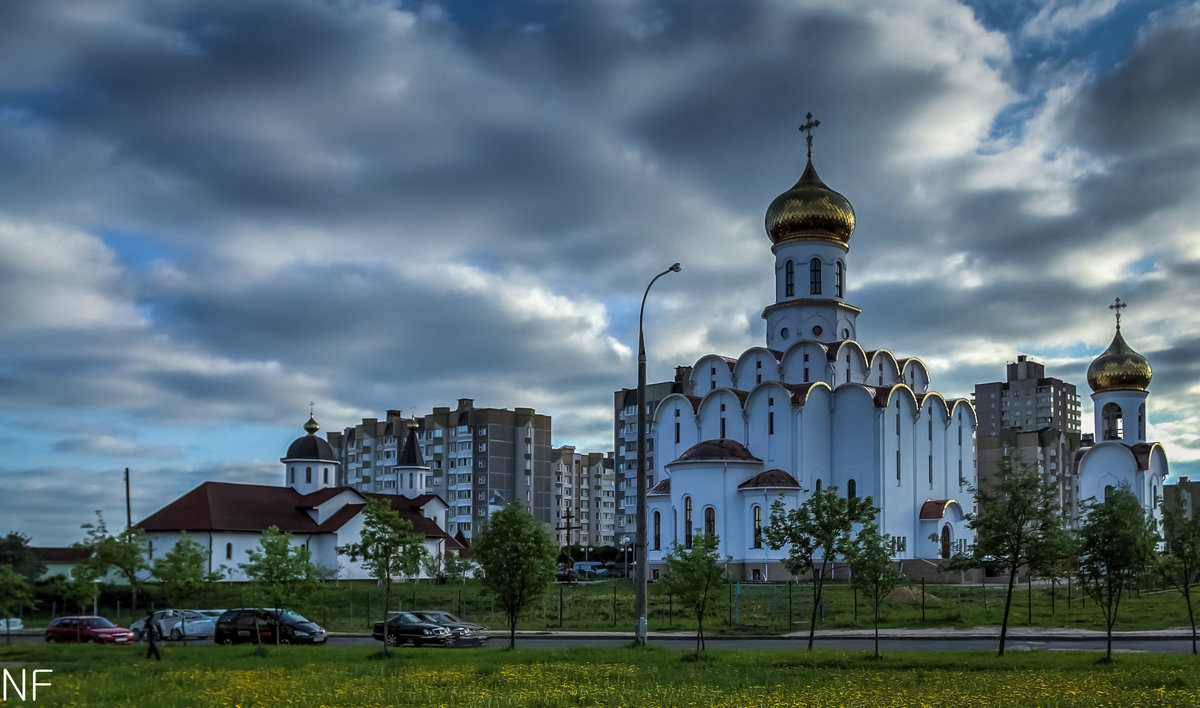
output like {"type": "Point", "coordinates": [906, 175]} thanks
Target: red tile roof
{"type": "Point", "coordinates": [55, 554]}
{"type": "Point", "coordinates": [770, 478]}
{"type": "Point", "coordinates": [663, 487]}
{"type": "Point", "coordinates": [934, 508]}
{"type": "Point", "coordinates": [721, 449]}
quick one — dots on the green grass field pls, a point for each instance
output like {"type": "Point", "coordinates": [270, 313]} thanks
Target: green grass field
{"type": "Point", "coordinates": [359, 676]}
{"type": "Point", "coordinates": [740, 609]}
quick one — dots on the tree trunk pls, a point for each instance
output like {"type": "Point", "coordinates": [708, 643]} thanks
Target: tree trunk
{"type": "Point", "coordinates": [1012, 579]}
{"type": "Point", "coordinates": [1187, 597]}
{"type": "Point", "coordinates": [699, 634]}
{"type": "Point", "coordinates": [877, 601]}
{"type": "Point", "coordinates": [812, 620]}
{"type": "Point", "coordinates": [512, 631]}
{"type": "Point", "coordinates": [387, 597]}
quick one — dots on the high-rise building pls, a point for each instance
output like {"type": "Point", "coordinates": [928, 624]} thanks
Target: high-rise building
{"type": "Point", "coordinates": [584, 497]}
{"type": "Point", "coordinates": [625, 442]}
{"type": "Point", "coordinates": [478, 459]}
{"type": "Point", "coordinates": [1033, 418]}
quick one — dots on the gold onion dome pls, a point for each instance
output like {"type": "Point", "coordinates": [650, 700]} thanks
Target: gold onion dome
{"type": "Point", "coordinates": [311, 426]}
{"type": "Point", "coordinates": [1119, 368]}
{"type": "Point", "coordinates": [810, 210]}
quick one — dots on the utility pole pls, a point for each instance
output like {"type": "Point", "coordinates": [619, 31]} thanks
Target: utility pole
{"type": "Point", "coordinates": [128, 511]}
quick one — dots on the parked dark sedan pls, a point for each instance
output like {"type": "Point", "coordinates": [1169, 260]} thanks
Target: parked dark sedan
{"type": "Point", "coordinates": [405, 628]}
{"type": "Point", "coordinates": [253, 624]}
{"type": "Point", "coordinates": [466, 634]}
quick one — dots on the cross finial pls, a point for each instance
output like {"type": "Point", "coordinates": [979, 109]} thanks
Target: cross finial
{"type": "Point", "coordinates": [807, 128]}
{"type": "Point", "coordinates": [1118, 306]}
{"type": "Point", "coordinates": [311, 407]}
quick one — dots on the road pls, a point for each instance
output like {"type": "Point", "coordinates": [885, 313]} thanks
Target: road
{"type": "Point", "coordinates": [1172, 644]}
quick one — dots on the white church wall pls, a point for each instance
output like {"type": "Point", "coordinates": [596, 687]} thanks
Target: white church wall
{"type": "Point", "coordinates": [804, 361]}
{"type": "Point", "coordinates": [710, 372]}
{"type": "Point", "coordinates": [755, 366]}
{"type": "Point", "coordinates": [674, 413]}
{"type": "Point", "coordinates": [1108, 464]}
{"type": "Point", "coordinates": [851, 429]}
{"type": "Point", "coordinates": [722, 405]}
{"type": "Point", "coordinates": [769, 429]}
{"type": "Point", "coordinates": [883, 369]}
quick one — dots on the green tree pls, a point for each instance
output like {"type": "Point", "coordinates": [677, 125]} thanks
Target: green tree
{"type": "Point", "coordinates": [1018, 526]}
{"type": "Point", "coordinates": [692, 575]}
{"type": "Point", "coordinates": [872, 570]}
{"type": "Point", "coordinates": [183, 573]}
{"type": "Point", "coordinates": [1179, 561]}
{"type": "Point", "coordinates": [434, 565]}
{"type": "Point", "coordinates": [456, 566]}
{"type": "Point", "coordinates": [516, 555]}
{"type": "Point", "coordinates": [819, 528]}
{"type": "Point", "coordinates": [15, 594]}
{"type": "Point", "coordinates": [1116, 545]}
{"type": "Point", "coordinates": [125, 552]}
{"type": "Point", "coordinates": [280, 572]}
{"type": "Point", "coordinates": [15, 552]}
{"type": "Point", "coordinates": [387, 546]}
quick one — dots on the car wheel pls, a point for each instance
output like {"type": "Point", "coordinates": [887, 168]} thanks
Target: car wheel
{"type": "Point", "coordinates": [49, 640]}
{"type": "Point", "coordinates": [175, 634]}
{"type": "Point", "coordinates": [392, 640]}
{"type": "Point", "coordinates": [285, 640]}
{"type": "Point", "coordinates": [227, 641]}
{"type": "Point", "coordinates": [137, 635]}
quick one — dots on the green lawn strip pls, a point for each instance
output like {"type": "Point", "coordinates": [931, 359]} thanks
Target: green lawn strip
{"type": "Point", "coordinates": [755, 608]}
{"type": "Point", "coordinates": [653, 676]}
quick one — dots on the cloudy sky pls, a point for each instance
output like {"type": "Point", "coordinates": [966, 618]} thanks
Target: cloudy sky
{"type": "Point", "coordinates": [214, 211]}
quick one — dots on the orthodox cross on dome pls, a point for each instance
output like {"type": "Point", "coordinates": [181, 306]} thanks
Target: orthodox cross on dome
{"type": "Point", "coordinates": [1118, 306]}
{"type": "Point", "coordinates": [807, 128]}
{"type": "Point", "coordinates": [311, 407]}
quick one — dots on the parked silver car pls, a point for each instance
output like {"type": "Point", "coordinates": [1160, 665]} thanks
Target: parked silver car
{"type": "Point", "coordinates": [173, 624]}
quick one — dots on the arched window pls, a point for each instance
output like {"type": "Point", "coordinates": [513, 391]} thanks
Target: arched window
{"type": "Point", "coordinates": [291, 474]}
{"type": "Point", "coordinates": [839, 279]}
{"type": "Point", "coordinates": [851, 489]}
{"type": "Point", "coordinates": [308, 475]}
{"type": "Point", "coordinates": [710, 521]}
{"type": "Point", "coordinates": [1114, 426]}
{"type": "Point", "coordinates": [687, 522]}
{"type": "Point", "coordinates": [228, 551]}
{"type": "Point", "coordinates": [657, 531]}
{"type": "Point", "coordinates": [789, 279]}
{"type": "Point", "coordinates": [1108, 490]}
{"type": "Point", "coordinates": [1142, 422]}
{"type": "Point", "coordinates": [814, 276]}
{"type": "Point", "coordinates": [757, 531]}
{"type": "Point", "coordinates": [818, 486]}
{"type": "Point", "coordinates": [945, 541]}
{"type": "Point", "coordinates": [326, 475]}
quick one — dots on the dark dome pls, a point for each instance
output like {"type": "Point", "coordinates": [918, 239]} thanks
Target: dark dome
{"type": "Point", "coordinates": [310, 447]}
{"type": "Point", "coordinates": [722, 449]}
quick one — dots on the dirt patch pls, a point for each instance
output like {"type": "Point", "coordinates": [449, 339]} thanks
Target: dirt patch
{"type": "Point", "coordinates": [908, 595]}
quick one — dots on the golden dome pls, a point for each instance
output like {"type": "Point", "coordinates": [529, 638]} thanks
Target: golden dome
{"type": "Point", "coordinates": [311, 427]}
{"type": "Point", "coordinates": [1119, 368]}
{"type": "Point", "coordinates": [810, 210]}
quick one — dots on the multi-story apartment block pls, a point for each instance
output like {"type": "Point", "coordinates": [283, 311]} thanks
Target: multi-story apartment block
{"type": "Point", "coordinates": [584, 497]}
{"type": "Point", "coordinates": [1032, 417]}
{"type": "Point", "coordinates": [625, 442]}
{"type": "Point", "coordinates": [479, 459]}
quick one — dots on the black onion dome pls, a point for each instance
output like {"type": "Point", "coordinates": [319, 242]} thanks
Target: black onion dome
{"type": "Point", "coordinates": [722, 449]}
{"type": "Point", "coordinates": [310, 447]}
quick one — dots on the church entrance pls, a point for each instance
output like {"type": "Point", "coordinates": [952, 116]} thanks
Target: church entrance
{"type": "Point", "coordinates": [945, 542]}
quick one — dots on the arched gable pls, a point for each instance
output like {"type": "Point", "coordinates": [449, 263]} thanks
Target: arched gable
{"type": "Point", "coordinates": [676, 429]}
{"type": "Point", "coordinates": [756, 365]}
{"type": "Point", "coordinates": [962, 405]}
{"type": "Point", "coordinates": [932, 403]}
{"type": "Point", "coordinates": [712, 371]}
{"type": "Point", "coordinates": [884, 397]}
{"type": "Point", "coordinates": [882, 368]}
{"type": "Point", "coordinates": [805, 356]}
{"type": "Point", "coordinates": [914, 373]}
{"type": "Point", "coordinates": [849, 362]}
{"type": "Point", "coordinates": [722, 404]}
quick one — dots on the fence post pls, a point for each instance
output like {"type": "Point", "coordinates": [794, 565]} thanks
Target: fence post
{"type": "Point", "coordinates": [1029, 597]}
{"type": "Point", "coordinates": [730, 603]}
{"type": "Point", "coordinates": [560, 606]}
{"type": "Point", "coordinates": [614, 605]}
{"type": "Point", "coordinates": [737, 616]}
{"type": "Point", "coordinates": [922, 599]}
{"type": "Point", "coordinates": [368, 607]}
{"type": "Point", "coordinates": [960, 601]}
{"type": "Point", "coordinates": [789, 617]}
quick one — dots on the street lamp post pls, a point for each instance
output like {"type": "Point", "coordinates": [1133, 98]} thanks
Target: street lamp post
{"type": "Point", "coordinates": [639, 554]}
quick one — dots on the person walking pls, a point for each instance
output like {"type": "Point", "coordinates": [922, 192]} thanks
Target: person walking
{"type": "Point", "coordinates": [152, 635]}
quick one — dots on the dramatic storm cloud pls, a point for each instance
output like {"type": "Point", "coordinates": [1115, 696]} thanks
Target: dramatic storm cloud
{"type": "Point", "coordinates": [216, 212]}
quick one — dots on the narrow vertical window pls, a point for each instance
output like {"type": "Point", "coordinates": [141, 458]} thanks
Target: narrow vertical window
{"type": "Point", "coordinates": [814, 276]}
{"type": "Point", "coordinates": [657, 531]}
{"type": "Point", "coordinates": [818, 486]}
{"type": "Point", "coordinates": [897, 465]}
{"type": "Point", "coordinates": [789, 279]}
{"type": "Point", "coordinates": [722, 428]}
{"type": "Point", "coordinates": [326, 475]}
{"type": "Point", "coordinates": [710, 521]}
{"type": "Point", "coordinates": [308, 475]}
{"type": "Point", "coordinates": [931, 429]}
{"type": "Point", "coordinates": [851, 489]}
{"type": "Point", "coordinates": [228, 551]}
{"type": "Point", "coordinates": [687, 522]}
{"type": "Point", "coordinates": [771, 423]}
{"type": "Point", "coordinates": [839, 278]}
{"type": "Point", "coordinates": [757, 526]}
{"type": "Point", "coordinates": [931, 470]}
{"type": "Point", "coordinates": [676, 432]}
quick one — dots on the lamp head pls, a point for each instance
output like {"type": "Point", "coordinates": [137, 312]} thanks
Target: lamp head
{"type": "Point", "coordinates": [676, 268]}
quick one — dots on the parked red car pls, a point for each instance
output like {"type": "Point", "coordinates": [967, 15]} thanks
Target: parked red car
{"type": "Point", "coordinates": [87, 628]}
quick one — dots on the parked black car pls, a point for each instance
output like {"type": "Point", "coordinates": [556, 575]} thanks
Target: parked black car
{"type": "Point", "coordinates": [466, 634]}
{"type": "Point", "coordinates": [255, 624]}
{"type": "Point", "coordinates": [405, 628]}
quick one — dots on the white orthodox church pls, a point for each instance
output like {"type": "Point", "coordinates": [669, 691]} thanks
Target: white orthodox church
{"type": "Point", "coordinates": [1120, 379]}
{"type": "Point", "coordinates": [811, 409]}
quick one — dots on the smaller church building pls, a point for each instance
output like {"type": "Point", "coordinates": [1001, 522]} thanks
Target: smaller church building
{"type": "Point", "coordinates": [228, 519]}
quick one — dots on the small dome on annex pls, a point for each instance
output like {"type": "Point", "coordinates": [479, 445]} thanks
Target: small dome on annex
{"type": "Point", "coordinates": [309, 446]}
{"type": "Point", "coordinates": [1119, 368]}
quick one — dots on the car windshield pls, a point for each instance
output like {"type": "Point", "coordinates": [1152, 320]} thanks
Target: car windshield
{"type": "Point", "coordinates": [405, 618]}
{"type": "Point", "coordinates": [97, 623]}
{"type": "Point", "coordinates": [291, 617]}
{"type": "Point", "coordinates": [439, 617]}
